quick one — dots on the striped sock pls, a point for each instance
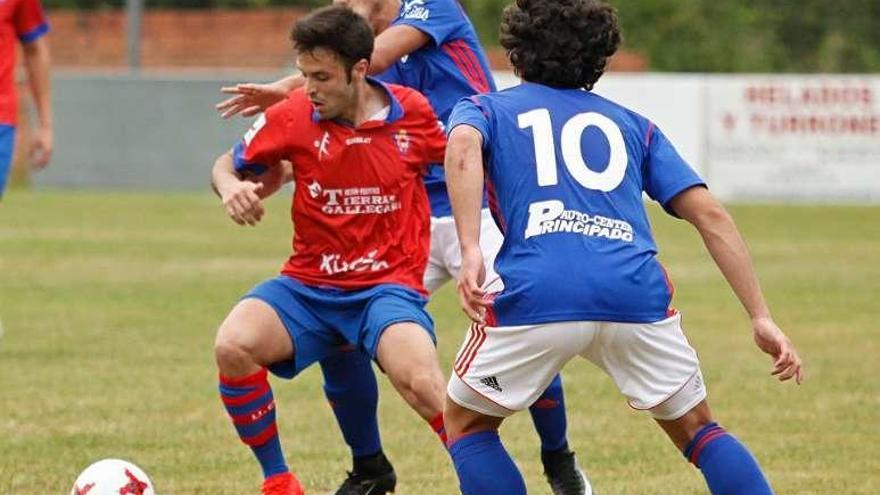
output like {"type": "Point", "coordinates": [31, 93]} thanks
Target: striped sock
{"type": "Point", "coordinates": [726, 464]}
{"type": "Point", "coordinates": [251, 405]}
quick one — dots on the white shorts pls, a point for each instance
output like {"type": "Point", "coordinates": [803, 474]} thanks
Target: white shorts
{"type": "Point", "coordinates": [501, 370]}
{"type": "Point", "coordinates": [444, 263]}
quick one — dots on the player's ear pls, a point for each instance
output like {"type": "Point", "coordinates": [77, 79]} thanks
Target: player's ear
{"type": "Point", "coordinates": [359, 69]}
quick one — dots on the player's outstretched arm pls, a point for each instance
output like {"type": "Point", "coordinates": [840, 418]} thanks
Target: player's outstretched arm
{"type": "Point", "coordinates": [241, 198]}
{"type": "Point", "coordinates": [249, 99]}
{"type": "Point", "coordinates": [729, 250]}
{"type": "Point", "coordinates": [464, 180]}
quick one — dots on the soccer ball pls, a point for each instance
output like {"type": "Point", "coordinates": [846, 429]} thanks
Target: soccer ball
{"type": "Point", "coordinates": [112, 477]}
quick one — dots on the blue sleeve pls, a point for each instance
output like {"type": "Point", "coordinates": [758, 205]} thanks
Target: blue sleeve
{"type": "Point", "coordinates": [439, 19]}
{"type": "Point", "coordinates": [469, 111]}
{"type": "Point", "coordinates": [665, 174]}
{"type": "Point", "coordinates": [391, 75]}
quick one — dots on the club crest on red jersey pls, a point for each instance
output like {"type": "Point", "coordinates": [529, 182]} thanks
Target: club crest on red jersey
{"type": "Point", "coordinates": [403, 140]}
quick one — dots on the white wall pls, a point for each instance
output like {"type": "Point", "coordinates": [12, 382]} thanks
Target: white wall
{"type": "Point", "coordinates": [753, 137]}
{"type": "Point", "coordinates": [764, 137]}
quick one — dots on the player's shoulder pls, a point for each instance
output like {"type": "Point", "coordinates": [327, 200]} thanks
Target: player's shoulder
{"type": "Point", "coordinates": [296, 107]}
{"type": "Point", "coordinates": [411, 101]}
{"type": "Point", "coordinates": [295, 102]}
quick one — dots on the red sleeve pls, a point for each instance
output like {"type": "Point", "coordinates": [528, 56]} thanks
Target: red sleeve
{"type": "Point", "coordinates": [30, 21]}
{"type": "Point", "coordinates": [267, 142]}
{"type": "Point", "coordinates": [431, 131]}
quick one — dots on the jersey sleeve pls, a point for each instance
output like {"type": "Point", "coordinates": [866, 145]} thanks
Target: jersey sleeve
{"type": "Point", "coordinates": [439, 19]}
{"type": "Point", "coordinates": [264, 145]}
{"type": "Point", "coordinates": [30, 21]}
{"type": "Point", "coordinates": [665, 173]}
{"type": "Point", "coordinates": [391, 75]}
{"type": "Point", "coordinates": [431, 132]}
{"type": "Point", "coordinates": [471, 112]}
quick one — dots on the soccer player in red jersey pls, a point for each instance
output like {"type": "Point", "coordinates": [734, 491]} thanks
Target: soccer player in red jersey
{"type": "Point", "coordinates": [430, 46]}
{"type": "Point", "coordinates": [23, 20]}
{"type": "Point", "coordinates": [356, 149]}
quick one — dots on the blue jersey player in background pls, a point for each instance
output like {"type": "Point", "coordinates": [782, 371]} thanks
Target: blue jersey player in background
{"type": "Point", "coordinates": [431, 46]}
{"type": "Point", "coordinates": [578, 264]}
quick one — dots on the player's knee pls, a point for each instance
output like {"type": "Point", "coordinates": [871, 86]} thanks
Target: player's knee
{"type": "Point", "coordinates": [231, 355]}
{"type": "Point", "coordinates": [426, 386]}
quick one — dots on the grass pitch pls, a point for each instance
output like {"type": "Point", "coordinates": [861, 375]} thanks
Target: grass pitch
{"type": "Point", "coordinates": [109, 303]}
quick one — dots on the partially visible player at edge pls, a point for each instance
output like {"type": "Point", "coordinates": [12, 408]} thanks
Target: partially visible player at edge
{"type": "Point", "coordinates": [358, 150]}
{"type": "Point", "coordinates": [578, 263]}
{"type": "Point", "coordinates": [430, 46]}
{"type": "Point", "coordinates": [25, 22]}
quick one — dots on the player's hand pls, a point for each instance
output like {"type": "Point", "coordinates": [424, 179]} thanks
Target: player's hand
{"type": "Point", "coordinates": [471, 296]}
{"type": "Point", "coordinates": [250, 98]}
{"type": "Point", "coordinates": [242, 202]}
{"type": "Point", "coordinates": [41, 148]}
{"type": "Point", "coordinates": [770, 339]}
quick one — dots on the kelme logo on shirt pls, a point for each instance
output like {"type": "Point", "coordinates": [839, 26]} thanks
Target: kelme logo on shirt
{"type": "Point", "coordinates": [415, 9]}
{"type": "Point", "coordinates": [322, 144]}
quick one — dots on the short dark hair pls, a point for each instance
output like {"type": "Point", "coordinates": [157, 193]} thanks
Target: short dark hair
{"type": "Point", "coordinates": [336, 28]}
{"type": "Point", "coordinates": [560, 43]}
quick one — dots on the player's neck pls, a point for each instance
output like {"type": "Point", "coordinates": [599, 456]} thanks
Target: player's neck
{"type": "Point", "coordinates": [369, 100]}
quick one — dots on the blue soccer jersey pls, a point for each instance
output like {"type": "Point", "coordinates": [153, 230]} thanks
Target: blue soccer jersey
{"type": "Point", "coordinates": [452, 65]}
{"type": "Point", "coordinates": [566, 170]}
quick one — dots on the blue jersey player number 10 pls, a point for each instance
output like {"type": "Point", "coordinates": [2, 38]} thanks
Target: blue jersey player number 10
{"type": "Point", "coordinates": [572, 132]}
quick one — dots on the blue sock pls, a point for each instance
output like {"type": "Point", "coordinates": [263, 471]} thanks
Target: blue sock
{"type": "Point", "coordinates": [548, 414]}
{"type": "Point", "coordinates": [727, 465]}
{"type": "Point", "coordinates": [351, 388]}
{"type": "Point", "coordinates": [251, 405]}
{"type": "Point", "coordinates": [484, 467]}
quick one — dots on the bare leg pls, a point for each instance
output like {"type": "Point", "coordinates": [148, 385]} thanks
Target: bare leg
{"type": "Point", "coordinates": [250, 338]}
{"type": "Point", "coordinates": [409, 358]}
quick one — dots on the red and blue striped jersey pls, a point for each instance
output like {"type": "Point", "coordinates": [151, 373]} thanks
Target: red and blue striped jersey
{"type": "Point", "coordinates": [359, 207]}
{"type": "Point", "coordinates": [24, 21]}
{"type": "Point", "coordinates": [452, 65]}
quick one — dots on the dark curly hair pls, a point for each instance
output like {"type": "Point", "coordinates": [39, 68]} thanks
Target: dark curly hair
{"type": "Point", "coordinates": [560, 43]}
{"type": "Point", "coordinates": [336, 28]}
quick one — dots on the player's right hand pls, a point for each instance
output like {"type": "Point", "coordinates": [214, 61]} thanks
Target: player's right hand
{"type": "Point", "coordinates": [471, 296]}
{"type": "Point", "coordinates": [250, 98]}
{"type": "Point", "coordinates": [770, 339]}
{"type": "Point", "coordinates": [242, 202]}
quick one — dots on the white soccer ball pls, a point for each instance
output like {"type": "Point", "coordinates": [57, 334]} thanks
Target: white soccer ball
{"type": "Point", "coordinates": [112, 477]}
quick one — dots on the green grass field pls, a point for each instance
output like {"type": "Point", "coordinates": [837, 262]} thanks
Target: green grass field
{"type": "Point", "coordinates": [109, 304]}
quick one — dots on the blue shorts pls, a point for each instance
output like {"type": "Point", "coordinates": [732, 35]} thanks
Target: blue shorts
{"type": "Point", "coordinates": [7, 142]}
{"type": "Point", "coordinates": [320, 320]}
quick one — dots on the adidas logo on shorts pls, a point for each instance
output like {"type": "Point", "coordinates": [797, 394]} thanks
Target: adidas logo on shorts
{"type": "Point", "coordinates": [491, 382]}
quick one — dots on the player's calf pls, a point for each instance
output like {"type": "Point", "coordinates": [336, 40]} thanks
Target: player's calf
{"type": "Point", "coordinates": [727, 465]}
{"type": "Point", "coordinates": [482, 464]}
{"type": "Point", "coordinates": [407, 355]}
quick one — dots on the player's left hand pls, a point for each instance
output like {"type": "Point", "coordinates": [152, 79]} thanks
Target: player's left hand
{"type": "Point", "coordinates": [471, 296]}
{"type": "Point", "coordinates": [41, 148]}
{"type": "Point", "coordinates": [770, 339]}
{"type": "Point", "coordinates": [250, 99]}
